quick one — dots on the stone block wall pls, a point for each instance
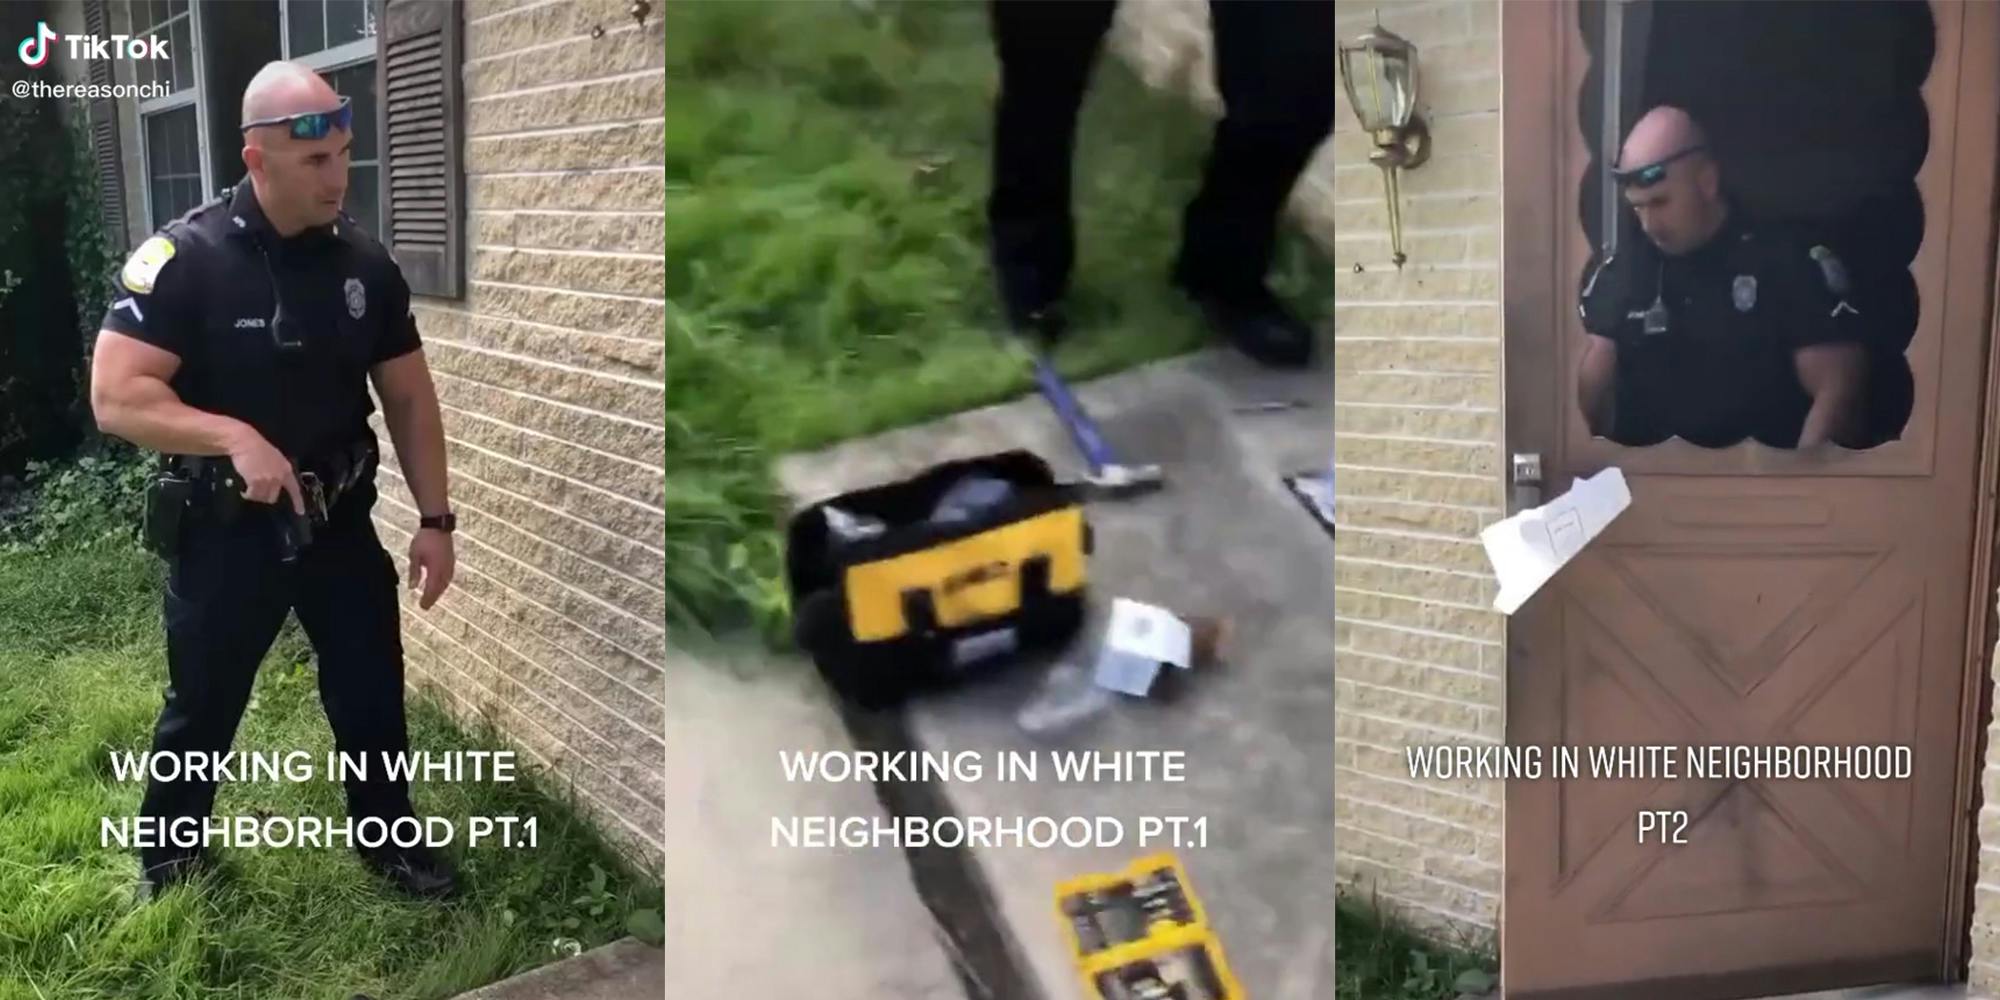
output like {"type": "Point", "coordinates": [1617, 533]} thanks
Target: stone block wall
{"type": "Point", "coordinates": [550, 371]}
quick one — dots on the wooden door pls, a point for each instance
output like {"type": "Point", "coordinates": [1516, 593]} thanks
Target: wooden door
{"type": "Point", "coordinates": [1749, 596]}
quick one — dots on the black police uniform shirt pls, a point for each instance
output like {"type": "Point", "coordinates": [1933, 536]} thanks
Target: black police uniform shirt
{"type": "Point", "coordinates": [200, 289]}
{"type": "Point", "coordinates": [1736, 311]}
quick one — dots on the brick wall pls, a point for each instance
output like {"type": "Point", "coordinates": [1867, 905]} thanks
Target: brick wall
{"type": "Point", "coordinates": [1418, 453]}
{"type": "Point", "coordinates": [1417, 449]}
{"type": "Point", "coordinates": [551, 376]}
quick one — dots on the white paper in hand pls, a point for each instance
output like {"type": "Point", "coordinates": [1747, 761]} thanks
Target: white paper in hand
{"type": "Point", "coordinates": [1527, 549]}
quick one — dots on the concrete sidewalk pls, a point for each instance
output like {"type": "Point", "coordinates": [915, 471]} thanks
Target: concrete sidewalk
{"type": "Point", "coordinates": [746, 918]}
{"type": "Point", "coordinates": [626, 969]}
{"type": "Point", "coordinates": [1225, 538]}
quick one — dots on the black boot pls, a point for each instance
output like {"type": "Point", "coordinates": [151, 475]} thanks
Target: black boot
{"type": "Point", "coordinates": [415, 870]}
{"type": "Point", "coordinates": [1031, 290]}
{"type": "Point", "coordinates": [1042, 327]}
{"type": "Point", "coordinates": [1257, 324]}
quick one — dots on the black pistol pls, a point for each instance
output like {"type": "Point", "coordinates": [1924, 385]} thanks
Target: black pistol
{"type": "Point", "coordinates": [295, 528]}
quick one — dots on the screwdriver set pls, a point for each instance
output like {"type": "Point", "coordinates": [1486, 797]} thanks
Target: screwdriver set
{"type": "Point", "coordinates": [1141, 934]}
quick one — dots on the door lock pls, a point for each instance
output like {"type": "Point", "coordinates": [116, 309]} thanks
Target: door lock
{"type": "Point", "coordinates": [1527, 481]}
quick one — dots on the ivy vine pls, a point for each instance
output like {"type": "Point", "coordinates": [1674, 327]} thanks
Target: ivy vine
{"type": "Point", "coordinates": [56, 262]}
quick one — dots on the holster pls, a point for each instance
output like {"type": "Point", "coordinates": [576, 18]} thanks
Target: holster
{"type": "Point", "coordinates": [168, 494]}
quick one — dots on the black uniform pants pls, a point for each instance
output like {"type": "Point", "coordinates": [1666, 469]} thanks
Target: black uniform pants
{"type": "Point", "coordinates": [227, 596]}
{"type": "Point", "coordinates": [1276, 70]}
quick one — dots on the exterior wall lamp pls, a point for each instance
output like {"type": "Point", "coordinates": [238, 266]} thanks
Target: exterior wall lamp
{"type": "Point", "coordinates": [1379, 71]}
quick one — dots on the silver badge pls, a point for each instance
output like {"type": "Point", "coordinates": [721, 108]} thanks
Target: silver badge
{"type": "Point", "coordinates": [357, 300]}
{"type": "Point", "coordinates": [1744, 292]}
{"type": "Point", "coordinates": [1654, 319]}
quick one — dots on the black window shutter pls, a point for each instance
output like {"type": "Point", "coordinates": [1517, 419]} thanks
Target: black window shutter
{"type": "Point", "coordinates": [102, 119]}
{"type": "Point", "coordinates": [422, 126]}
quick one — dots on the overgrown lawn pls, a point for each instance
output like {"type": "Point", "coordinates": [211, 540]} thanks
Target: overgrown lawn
{"type": "Point", "coordinates": [81, 669]}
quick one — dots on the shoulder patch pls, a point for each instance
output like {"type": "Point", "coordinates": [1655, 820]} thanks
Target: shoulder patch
{"type": "Point", "coordinates": [143, 267]}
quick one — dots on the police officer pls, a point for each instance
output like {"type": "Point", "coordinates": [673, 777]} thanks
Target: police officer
{"type": "Point", "coordinates": [1275, 70]}
{"type": "Point", "coordinates": [1717, 329]}
{"type": "Point", "coordinates": [239, 346]}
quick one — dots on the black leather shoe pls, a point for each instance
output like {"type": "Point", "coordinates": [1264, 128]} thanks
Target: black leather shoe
{"type": "Point", "coordinates": [1258, 325]}
{"type": "Point", "coordinates": [414, 870]}
{"type": "Point", "coordinates": [158, 874]}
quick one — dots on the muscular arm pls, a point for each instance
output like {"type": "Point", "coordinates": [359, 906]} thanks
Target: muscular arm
{"type": "Point", "coordinates": [130, 398]}
{"type": "Point", "coordinates": [1597, 382]}
{"type": "Point", "coordinates": [416, 427]}
{"type": "Point", "coordinates": [1833, 375]}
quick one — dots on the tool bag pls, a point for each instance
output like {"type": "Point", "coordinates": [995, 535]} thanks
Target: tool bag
{"type": "Point", "coordinates": [927, 601]}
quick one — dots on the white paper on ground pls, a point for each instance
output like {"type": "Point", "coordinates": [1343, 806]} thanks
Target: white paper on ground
{"type": "Point", "coordinates": [1149, 631]}
{"type": "Point", "coordinates": [1528, 548]}
{"type": "Point", "coordinates": [1126, 673]}
{"type": "Point", "coordinates": [1140, 641]}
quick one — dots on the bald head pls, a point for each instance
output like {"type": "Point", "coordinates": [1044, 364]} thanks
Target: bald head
{"type": "Point", "coordinates": [284, 88]}
{"type": "Point", "coordinates": [299, 182]}
{"type": "Point", "coordinates": [1660, 133]}
{"type": "Point", "coordinates": [1680, 206]}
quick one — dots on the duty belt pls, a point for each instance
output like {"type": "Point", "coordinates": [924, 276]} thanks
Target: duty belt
{"type": "Point", "coordinates": [322, 481]}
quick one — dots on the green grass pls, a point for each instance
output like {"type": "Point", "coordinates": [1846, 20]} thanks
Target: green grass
{"type": "Point", "coordinates": [81, 665]}
{"type": "Point", "coordinates": [826, 273]}
{"type": "Point", "coordinates": [1379, 956]}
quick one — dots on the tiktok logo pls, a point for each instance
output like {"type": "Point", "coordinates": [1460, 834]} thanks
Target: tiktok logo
{"type": "Point", "coordinates": [35, 50]}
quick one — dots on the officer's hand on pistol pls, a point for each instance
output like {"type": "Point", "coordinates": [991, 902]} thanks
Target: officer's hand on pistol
{"type": "Point", "coordinates": [266, 472]}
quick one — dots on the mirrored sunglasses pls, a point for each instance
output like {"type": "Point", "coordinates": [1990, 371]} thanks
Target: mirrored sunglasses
{"type": "Point", "coordinates": [1652, 173]}
{"type": "Point", "coordinates": [311, 124]}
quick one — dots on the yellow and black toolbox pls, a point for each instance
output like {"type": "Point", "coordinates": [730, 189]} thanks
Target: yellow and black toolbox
{"type": "Point", "coordinates": [920, 583]}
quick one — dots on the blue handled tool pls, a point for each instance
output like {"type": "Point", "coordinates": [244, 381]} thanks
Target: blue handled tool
{"type": "Point", "coordinates": [1106, 474]}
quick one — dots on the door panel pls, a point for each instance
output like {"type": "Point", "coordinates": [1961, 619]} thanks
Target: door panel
{"type": "Point", "coordinates": [1749, 596]}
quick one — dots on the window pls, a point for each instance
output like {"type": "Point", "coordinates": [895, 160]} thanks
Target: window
{"type": "Point", "coordinates": [171, 20]}
{"type": "Point", "coordinates": [337, 38]}
{"type": "Point", "coordinates": [176, 160]}
{"type": "Point", "coordinates": [364, 168]}
{"type": "Point", "coordinates": [319, 25]}
{"type": "Point", "coordinates": [1757, 282]}
{"type": "Point", "coordinates": [173, 164]}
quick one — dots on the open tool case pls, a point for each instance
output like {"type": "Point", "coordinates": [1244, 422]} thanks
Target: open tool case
{"type": "Point", "coordinates": [925, 602]}
{"type": "Point", "coordinates": [1141, 934]}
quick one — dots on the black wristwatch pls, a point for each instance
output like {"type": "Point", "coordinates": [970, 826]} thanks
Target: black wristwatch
{"type": "Point", "coordinates": [446, 522]}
